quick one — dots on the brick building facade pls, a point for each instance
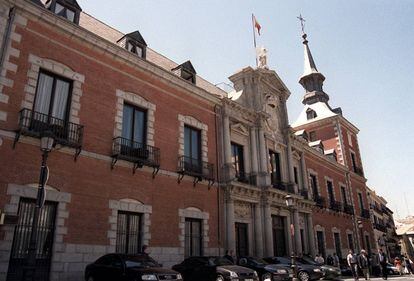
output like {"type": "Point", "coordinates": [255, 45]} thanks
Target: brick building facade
{"type": "Point", "coordinates": [140, 140]}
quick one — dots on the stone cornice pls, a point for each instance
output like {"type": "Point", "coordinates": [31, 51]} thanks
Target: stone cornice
{"type": "Point", "coordinates": [40, 14]}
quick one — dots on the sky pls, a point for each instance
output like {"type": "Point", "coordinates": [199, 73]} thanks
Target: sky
{"type": "Point", "coordinates": [365, 49]}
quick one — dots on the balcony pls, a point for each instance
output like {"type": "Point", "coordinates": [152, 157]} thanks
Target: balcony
{"type": "Point", "coordinates": [34, 124]}
{"type": "Point", "coordinates": [246, 178]}
{"type": "Point", "coordinates": [304, 193]}
{"type": "Point", "coordinates": [195, 168]}
{"type": "Point", "coordinates": [380, 227]}
{"type": "Point", "coordinates": [320, 201]}
{"type": "Point", "coordinates": [335, 206]}
{"type": "Point", "coordinates": [135, 152]}
{"type": "Point", "coordinates": [365, 213]}
{"type": "Point", "coordinates": [359, 171]}
{"type": "Point", "coordinates": [348, 209]}
{"type": "Point", "coordinates": [284, 186]}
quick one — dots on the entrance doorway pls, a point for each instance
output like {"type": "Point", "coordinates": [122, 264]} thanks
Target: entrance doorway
{"type": "Point", "coordinates": [242, 242]}
{"type": "Point", "coordinates": [279, 236]}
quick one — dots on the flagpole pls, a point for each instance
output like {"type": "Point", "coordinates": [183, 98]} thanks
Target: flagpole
{"type": "Point", "coordinates": [254, 39]}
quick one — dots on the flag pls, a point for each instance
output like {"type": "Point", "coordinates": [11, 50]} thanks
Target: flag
{"type": "Point", "coordinates": [256, 24]}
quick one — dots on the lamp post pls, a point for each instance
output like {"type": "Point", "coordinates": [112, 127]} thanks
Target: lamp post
{"type": "Point", "coordinates": [290, 204]}
{"type": "Point", "coordinates": [46, 143]}
{"type": "Point", "coordinates": [360, 226]}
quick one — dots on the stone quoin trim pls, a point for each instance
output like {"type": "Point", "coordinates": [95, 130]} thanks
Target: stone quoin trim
{"type": "Point", "coordinates": [17, 192]}
{"type": "Point", "coordinates": [134, 206]}
{"type": "Point", "coordinates": [9, 52]}
{"type": "Point", "coordinates": [193, 213]}
{"type": "Point", "coordinates": [191, 121]}
{"type": "Point", "coordinates": [36, 63]}
{"type": "Point", "coordinates": [139, 101]}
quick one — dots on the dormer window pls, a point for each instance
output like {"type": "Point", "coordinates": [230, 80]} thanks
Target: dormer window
{"type": "Point", "coordinates": [135, 43]}
{"type": "Point", "coordinates": [68, 9]}
{"type": "Point", "coordinates": [186, 71]}
{"type": "Point", "coordinates": [310, 114]}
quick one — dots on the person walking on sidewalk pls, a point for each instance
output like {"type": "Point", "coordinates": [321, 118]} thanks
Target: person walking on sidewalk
{"type": "Point", "coordinates": [353, 264]}
{"type": "Point", "coordinates": [382, 259]}
{"type": "Point", "coordinates": [363, 262]}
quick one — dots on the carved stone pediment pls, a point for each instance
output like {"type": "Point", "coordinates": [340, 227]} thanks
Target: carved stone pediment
{"type": "Point", "coordinates": [240, 128]}
{"type": "Point", "coordinates": [242, 210]}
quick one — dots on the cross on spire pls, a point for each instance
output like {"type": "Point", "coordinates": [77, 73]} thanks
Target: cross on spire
{"type": "Point", "coordinates": [302, 23]}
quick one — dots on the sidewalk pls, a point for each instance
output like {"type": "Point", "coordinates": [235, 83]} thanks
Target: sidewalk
{"type": "Point", "coordinates": [396, 278]}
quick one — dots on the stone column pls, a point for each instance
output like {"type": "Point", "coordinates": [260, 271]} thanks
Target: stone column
{"type": "Point", "coordinates": [230, 226]}
{"type": "Point", "coordinates": [258, 231]}
{"type": "Point", "coordinates": [290, 162]}
{"type": "Point", "coordinates": [263, 158]}
{"type": "Point", "coordinates": [304, 173]}
{"type": "Point", "coordinates": [298, 240]}
{"type": "Point", "coordinates": [311, 235]}
{"type": "Point", "coordinates": [253, 150]}
{"type": "Point", "coordinates": [268, 248]}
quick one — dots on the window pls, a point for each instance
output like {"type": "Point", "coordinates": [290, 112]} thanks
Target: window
{"type": "Point", "coordinates": [275, 169]}
{"type": "Point", "coordinates": [330, 191]}
{"type": "Point", "coordinates": [134, 120]}
{"type": "Point", "coordinates": [314, 185]}
{"type": "Point", "coordinates": [361, 202]}
{"type": "Point", "coordinates": [128, 234]}
{"type": "Point", "coordinates": [354, 166]}
{"type": "Point", "coordinates": [237, 160]}
{"type": "Point", "coordinates": [337, 240]}
{"type": "Point", "coordinates": [192, 143]}
{"type": "Point", "coordinates": [321, 242]}
{"type": "Point", "coordinates": [344, 199]}
{"type": "Point", "coordinates": [135, 48]}
{"type": "Point", "coordinates": [52, 96]}
{"type": "Point", "coordinates": [310, 114]}
{"type": "Point", "coordinates": [295, 173]}
{"type": "Point", "coordinates": [312, 136]}
{"type": "Point", "coordinates": [193, 238]}
{"type": "Point", "coordinates": [351, 242]}
{"type": "Point", "coordinates": [65, 12]}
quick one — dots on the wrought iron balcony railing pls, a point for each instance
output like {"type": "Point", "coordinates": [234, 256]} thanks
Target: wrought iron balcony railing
{"type": "Point", "coordinates": [34, 124]}
{"type": "Point", "coordinates": [359, 171]}
{"type": "Point", "coordinates": [380, 227]}
{"type": "Point", "coordinates": [348, 209]}
{"type": "Point", "coordinates": [278, 184]}
{"type": "Point", "coordinates": [365, 213]}
{"type": "Point", "coordinates": [138, 153]}
{"type": "Point", "coordinates": [320, 201]}
{"type": "Point", "coordinates": [246, 178]}
{"type": "Point", "coordinates": [196, 168]}
{"type": "Point", "coordinates": [335, 206]}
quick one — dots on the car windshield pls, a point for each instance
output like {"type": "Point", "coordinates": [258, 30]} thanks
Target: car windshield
{"type": "Point", "coordinates": [140, 261]}
{"type": "Point", "coordinates": [307, 260]}
{"type": "Point", "coordinates": [258, 261]}
{"type": "Point", "coordinates": [219, 261]}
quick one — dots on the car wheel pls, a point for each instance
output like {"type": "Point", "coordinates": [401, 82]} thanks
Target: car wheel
{"type": "Point", "coordinates": [303, 276]}
{"type": "Point", "coordinates": [266, 276]}
{"type": "Point", "coordinates": [219, 278]}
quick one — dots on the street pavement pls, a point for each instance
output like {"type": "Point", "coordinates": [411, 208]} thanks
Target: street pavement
{"type": "Point", "coordinates": [394, 278]}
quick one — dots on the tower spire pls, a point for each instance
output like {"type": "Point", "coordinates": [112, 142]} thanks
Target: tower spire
{"type": "Point", "coordinates": [312, 79]}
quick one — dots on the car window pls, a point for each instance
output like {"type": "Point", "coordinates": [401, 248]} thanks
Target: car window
{"type": "Point", "coordinates": [140, 261]}
{"type": "Point", "coordinates": [104, 260]}
{"type": "Point", "coordinates": [219, 261]}
{"type": "Point", "coordinates": [195, 261]}
{"type": "Point", "coordinates": [115, 261]}
{"type": "Point", "coordinates": [257, 261]}
{"type": "Point", "coordinates": [284, 260]}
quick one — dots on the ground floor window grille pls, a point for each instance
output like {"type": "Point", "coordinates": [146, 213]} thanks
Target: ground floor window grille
{"type": "Point", "coordinates": [193, 238]}
{"type": "Point", "coordinates": [128, 234]}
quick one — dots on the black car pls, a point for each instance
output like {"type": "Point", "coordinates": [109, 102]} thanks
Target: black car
{"type": "Point", "coordinates": [305, 272]}
{"type": "Point", "coordinates": [122, 267]}
{"type": "Point", "coordinates": [213, 269]}
{"type": "Point", "coordinates": [266, 271]}
{"type": "Point", "coordinates": [330, 272]}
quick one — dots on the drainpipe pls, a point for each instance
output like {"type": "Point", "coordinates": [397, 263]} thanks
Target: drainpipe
{"type": "Point", "coordinates": [217, 114]}
{"type": "Point", "coordinates": [6, 36]}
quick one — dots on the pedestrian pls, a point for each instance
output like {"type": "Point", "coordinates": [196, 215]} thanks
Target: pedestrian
{"type": "Point", "coordinates": [335, 260]}
{"type": "Point", "coordinates": [319, 259]}
{"type": "Point", "coordinates": [229, 255]}
{"type": "Point", "coordinates": [398, 265]}
{"type": "Point", "coordinates": [144, 249]}
{"type": "Point", "coordinates": [353, 264]}
{"type": "Point", "coordinates": [382, 259]}
{"type": "Point", "coordinates": [363, 262]}
{"type": "Point", "coordinates": [408, 265]}
{"type": "Point", "coordinates": [329, 260]}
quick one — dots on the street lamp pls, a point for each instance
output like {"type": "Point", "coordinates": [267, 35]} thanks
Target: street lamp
{"type": "Point", "coordinates": [360, 226]}
{"type": "Point", "coordinates": [290, 204]}
{"type": "Point", "coordinates": [46, 144]}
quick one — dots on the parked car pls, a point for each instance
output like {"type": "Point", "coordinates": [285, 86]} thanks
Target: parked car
{"type": "Point", "coordinates": [122, 267]}
{"type": "Point", "coordinates": [375, 270]}
{"type": "Point", "coordinates": [213, 269]}
{"type": "Point", "coordinates": [330, 272]}
{"type": "Point", "coordinates": [305, 272]}
{"type": "Point", "coordinates": [266, 271]}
